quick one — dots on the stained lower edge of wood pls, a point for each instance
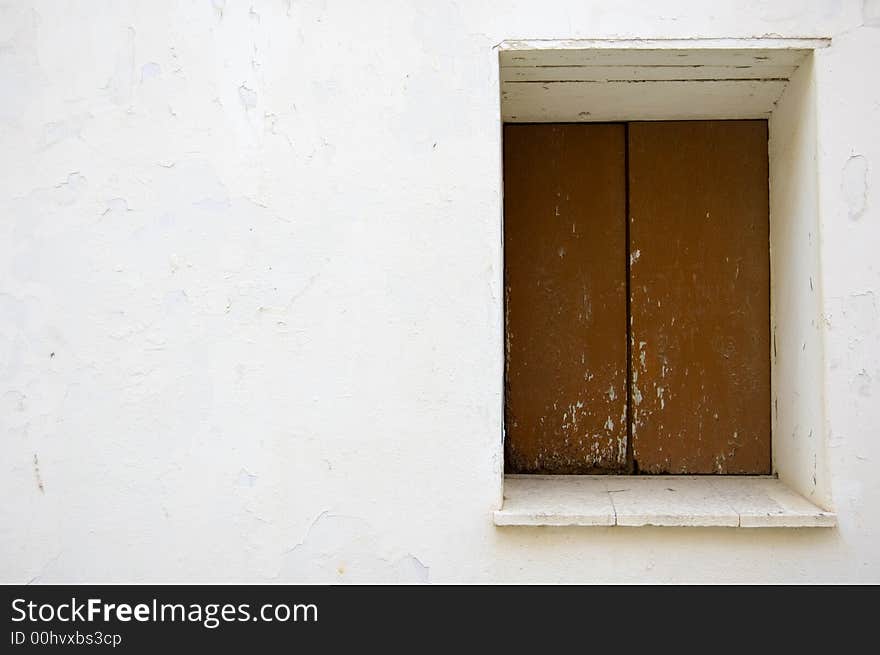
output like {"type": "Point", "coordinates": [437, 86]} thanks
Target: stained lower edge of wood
{"type": "Point", "coordinates": [671, 501]}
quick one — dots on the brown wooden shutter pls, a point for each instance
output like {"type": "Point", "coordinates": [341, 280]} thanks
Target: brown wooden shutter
{"type": "Point", "coordinates": [565, 286]}
{"type": "Point", "coordinates": [699, 280]}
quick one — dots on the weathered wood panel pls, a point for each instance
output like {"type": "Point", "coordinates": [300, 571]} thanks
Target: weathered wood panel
{"type": "Point", "coordinates": [550, 102]}
{"type": "Point", "coordinates": [699, 284]}
{"type": "Point", "coordinates": [650, 57]}
{"type": "Point", "coordinates": [565, 285]}
{"type": "Point", "coordinates": [574, 73]}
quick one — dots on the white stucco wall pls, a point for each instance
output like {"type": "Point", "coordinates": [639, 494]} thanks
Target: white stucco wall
{"type": "Point", "coordinates": [250, 301]}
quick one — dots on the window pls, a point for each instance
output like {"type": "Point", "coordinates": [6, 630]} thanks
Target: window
{"type": "Point", "coordinates": [669, 130]}
{"type": "Point", "coordinates": [637, 297]}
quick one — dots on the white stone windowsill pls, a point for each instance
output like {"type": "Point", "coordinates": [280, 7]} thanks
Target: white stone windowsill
{"type": "Point", "coordinates": [693, 501]}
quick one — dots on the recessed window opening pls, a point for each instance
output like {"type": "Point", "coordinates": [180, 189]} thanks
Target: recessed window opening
{"type": "Point", "coordinates": [633, 143]}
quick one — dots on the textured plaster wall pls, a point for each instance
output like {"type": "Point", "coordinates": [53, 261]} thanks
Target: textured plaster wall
{"type": "Point", "coordinates": [250, 294]}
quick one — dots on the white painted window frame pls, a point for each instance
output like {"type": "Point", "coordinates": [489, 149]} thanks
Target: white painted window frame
{"type": "Point", "coordinates": [622, 82]}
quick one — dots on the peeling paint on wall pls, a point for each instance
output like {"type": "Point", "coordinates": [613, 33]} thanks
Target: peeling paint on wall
{"type": "Point", "coordinates": [37, 476]}
{"type": "Point", "coordinates": [855, 185]}
{"type": "Point", "coordinates": [347, 549]}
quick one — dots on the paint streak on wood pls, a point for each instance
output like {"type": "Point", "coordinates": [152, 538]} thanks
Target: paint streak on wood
{"type": "Point", "coordinates": [565, 285]}
{"type": "Point", "coordinates": [666, 57]}
{"type": "Point", "coordinates": [574, 73]}
{"type": "Point", "coordinates": [700, 334]}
